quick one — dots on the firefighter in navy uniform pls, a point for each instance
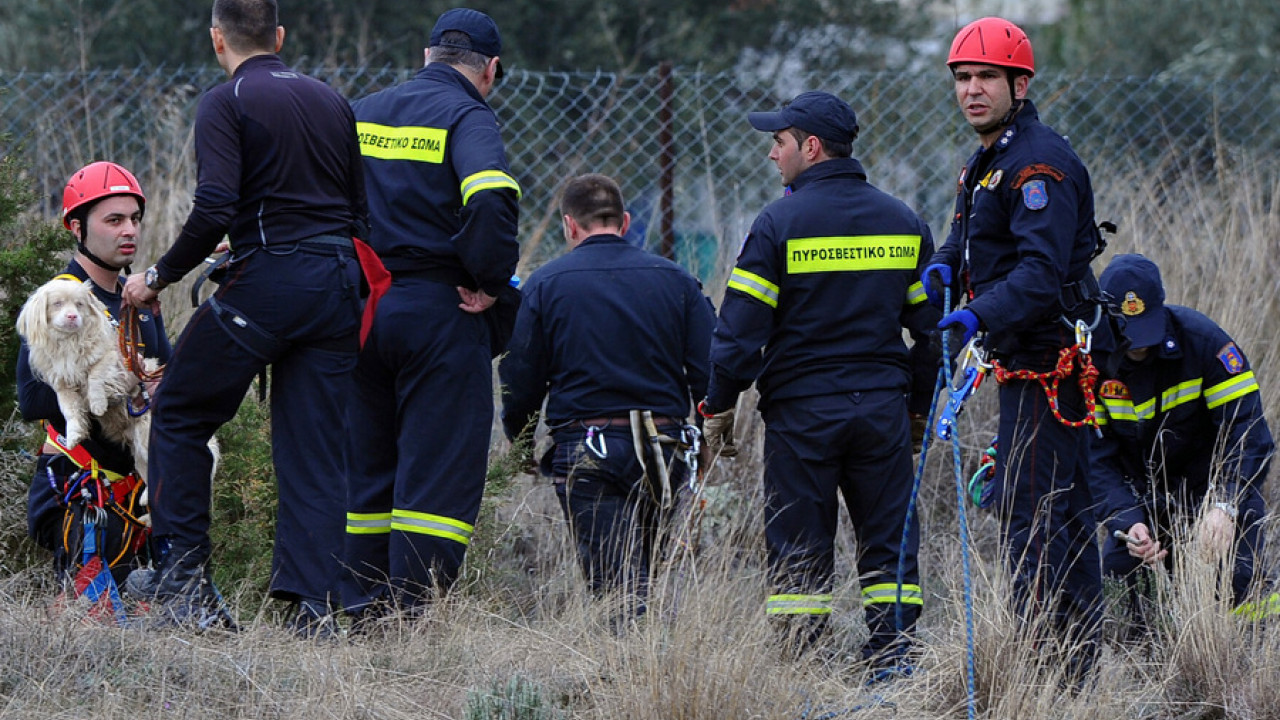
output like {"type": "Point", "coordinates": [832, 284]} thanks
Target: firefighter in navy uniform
{"type": "Point", "coordinates": [825, 282]}
{"type": "Point", "coordinates": [102, 205]}
{"type": "Point", "coordinates": [1183, 436]}
{"type": "Point", "coordinates": [444, 209]}
{"type": "Point", "coordinates": [604, 331]}
{"type": "Point", "coordinates": [279, 175]}
{"type": "Point", "coordinates": [1020, 246]}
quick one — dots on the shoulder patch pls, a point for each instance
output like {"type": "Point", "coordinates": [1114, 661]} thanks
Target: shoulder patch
{"type": "Point", "coordinates": [1035, 196]}
{"type": "Point", "coordinates": [1035, 169]}
{"type": "Point", "coordinates": [1114, 390]}
{"type": "Point", "coordinates": [1231, 358]}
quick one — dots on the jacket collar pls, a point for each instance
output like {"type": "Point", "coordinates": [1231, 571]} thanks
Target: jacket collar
{"type": "Point", "coordinates": [835, 167]}
{"type": "Point", "coordinates": [445, 73]}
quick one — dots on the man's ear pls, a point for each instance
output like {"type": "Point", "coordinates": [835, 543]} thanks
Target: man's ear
{"type": "Point", "coordinates": [218, 40]}
{"type": "Point", "coordinates": [1020, 86]}
{"type": "Point", "coordinates": [279, 37]}
{"type": "Point", "coordinates": [626, 223]}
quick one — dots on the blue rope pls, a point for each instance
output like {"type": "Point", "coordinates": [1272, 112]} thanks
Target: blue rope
{"type": "Point", "coordinates": [970, 659]}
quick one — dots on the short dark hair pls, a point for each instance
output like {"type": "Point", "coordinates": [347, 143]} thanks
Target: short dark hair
{"type": "Point", "coordinates": [593, 200]}
{"type": "Point", "coordinates": [247, 25]}
{"type": "Point", "coordinates": [831, 147]}
{"type": "Point", "coordinates": [455, 49]}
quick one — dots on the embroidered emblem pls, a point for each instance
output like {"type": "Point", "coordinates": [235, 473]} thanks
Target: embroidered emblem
{"type": "Point", "coordinates": [1035, 196]}
{"type": "Point", "coordinates": [1132, 304]}
{"type": "Point", "coordinates": [964, 172]}
{"type": "Point", "coordinates": [1035, 169]}
{"type": "Point", "coordinates": [1231, 358]}
{"type": "Point", "coordinates": [995, 179]}
{"type": "Point", "coordinates": [1114, 390]}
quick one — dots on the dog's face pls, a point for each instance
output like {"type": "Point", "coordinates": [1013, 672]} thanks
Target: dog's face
{"type": "Point", "coordinates": [61, 306]}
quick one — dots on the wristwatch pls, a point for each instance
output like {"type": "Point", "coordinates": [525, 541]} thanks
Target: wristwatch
{"type": "Point", "coordinates": [153, 280]}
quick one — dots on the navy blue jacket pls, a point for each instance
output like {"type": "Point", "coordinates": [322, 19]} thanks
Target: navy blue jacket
{"type": "Point", "coordinates": [1190, 414]}
{"type": "Point", "coordinates": [1023, 230]}
{"type": "Point", "coordinates": [825, 282]}
{"type": "Point", "coordinates": [37, 401]}
{"type": "Point", "coordinates": [440, 191]}
{"type": "Point", "coordinates": [606, 329]}
{"type": "Point", "coordinates": [277, 163]}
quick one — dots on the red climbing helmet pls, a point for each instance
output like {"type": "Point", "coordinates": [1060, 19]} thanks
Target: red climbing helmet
{"type": "Point", "coordinates": [96, 181]}
{"type": "Point", "coordinates": [993, 41]}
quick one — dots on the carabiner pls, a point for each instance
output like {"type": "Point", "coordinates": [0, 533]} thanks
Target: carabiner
{"type": "Point", "coordinates": [594, 432]}
{"type": "Point", "coordinates": [970, 371]}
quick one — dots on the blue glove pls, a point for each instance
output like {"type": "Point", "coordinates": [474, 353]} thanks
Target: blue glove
{"type": "Point", "coordinates": [935, 294]}
{"type": "Point", "coordinates": [966, 319]}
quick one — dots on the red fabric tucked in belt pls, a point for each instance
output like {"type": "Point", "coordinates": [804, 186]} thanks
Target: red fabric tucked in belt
{"type": "Point", "coordinates": [378, 279]}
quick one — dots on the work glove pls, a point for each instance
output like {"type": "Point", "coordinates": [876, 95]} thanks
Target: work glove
{"type": "Point", "coordinates": [937, 278]}
{"type": "Point", "coordinates": [717, 432]}
{"type": "Point", "coordinates": [964, 321]}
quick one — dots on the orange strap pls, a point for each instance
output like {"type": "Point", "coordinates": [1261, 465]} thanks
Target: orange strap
{"type": "Point", "coordinates": [1049, 381]}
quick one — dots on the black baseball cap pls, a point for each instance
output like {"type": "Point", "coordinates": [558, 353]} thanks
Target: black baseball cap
{"type": "Point", "coordinates": [1133, 281]}
{"type": "Point", "coordinates": [481, 28]}
{"type": "Point", "coordinates": [817, 113]}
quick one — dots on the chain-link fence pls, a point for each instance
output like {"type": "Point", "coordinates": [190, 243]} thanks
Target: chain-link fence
{"type": "Point", "coordinates": [670, 134]}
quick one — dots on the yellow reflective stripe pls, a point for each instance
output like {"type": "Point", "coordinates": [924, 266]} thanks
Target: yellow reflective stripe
{"type": "Point", "coordinates": [798, 605]}
{"type": "Point", "coordinates": [755, 286]}
{"type": "Point", "coordinates": [1146, 410]}
{"type": "Point", "coordinates": [1120, 409]}
{"type": "Point", "coordinates": [915, 294]}
{"type": "Point", "coordinates": [411, 142]}
{"type": "Point", "coordinates": [1183, 392]}
{"type": "Point", "coordinates": [368, 523]}
{"type": "Point", "coordinates": [1232, 389]}
{"type": "Point", "coordinates": [487, 180]}
{"type": "Point", "coordinates": [427, 524]}
{"type": "Point", "coordinates": [1100, 415]}
{"type": "Point", "coordinates": [854, 253]}
{"type": "Point", "coordinates": [1259, 610]}
{"type": "Point", "coordinates": [888, 593]}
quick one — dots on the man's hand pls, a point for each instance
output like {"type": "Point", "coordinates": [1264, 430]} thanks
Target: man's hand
{"type": "Point", "coordinates": [717, 433]}
{"type": "Point", "coordinates": [919, 426]}
{"type": "Point", "coordinates": [137, 294]}
{"type": "Point", "coordinates": [965, 321]}
{"type": "Point", "coordinates": [1143, 546]}
{"type": "Point", "coordinates": [1215, 532]}
{"type": "Point", "coordinates": [933, 288]}
{"type": "Point", "coordinates": [475, 301]}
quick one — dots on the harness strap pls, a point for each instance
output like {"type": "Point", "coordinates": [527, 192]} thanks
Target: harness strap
{"type": "Point", "coordinates": [1050, 380]}
{"type": "Point", "coordinates": [121, 485]}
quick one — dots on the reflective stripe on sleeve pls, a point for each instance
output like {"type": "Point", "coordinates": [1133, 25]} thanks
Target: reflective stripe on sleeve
{"type": "Point", "coordinates": [1183, 392]}
{"type": "Point", "coordinates": [368, 523]}
{"type": "Point", "coordinates": [916, 294]}
{"type": "Point", "coordinates": [798, 605]}
{"type": "Point", "coordinates": [1235, 388]}
{"type": "Point", "coordinates": [888, 593]}
{"type": "Point", "coordinates": [487, 180]}
{"type": "Point", "coordinates": [427, 524]}
{"type": "Point", "coordinates": [755, 286]}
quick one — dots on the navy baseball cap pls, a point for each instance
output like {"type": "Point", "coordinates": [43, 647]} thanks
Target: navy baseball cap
{"type": "Point", "coordinates": [481, 28]}
{"type": "Point", "coordinates": [1133, 281]}
{"type": "Point", "coordinates": [817, 113]}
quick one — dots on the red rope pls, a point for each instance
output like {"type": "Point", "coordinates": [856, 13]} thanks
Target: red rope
{"type": "Point", "coordinates": [130, 336]}
{"type": "Point", "coordinates": [1050, 380]}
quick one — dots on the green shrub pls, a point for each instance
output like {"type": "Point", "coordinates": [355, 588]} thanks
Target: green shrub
{"type": "Point", "coordinates": [516, 699]}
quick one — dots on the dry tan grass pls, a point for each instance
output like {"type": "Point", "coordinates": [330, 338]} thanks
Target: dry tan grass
{"type": "Point", "coordinates": [705, 650]}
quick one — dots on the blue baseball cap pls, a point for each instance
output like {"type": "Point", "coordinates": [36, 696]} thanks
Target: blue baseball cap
{"type": "Point", "coordinates": [480, 28]}
{"type": "Point", "coordinates": [1133, 281]}
{"type": "Point", "coordinates": [817, 113]}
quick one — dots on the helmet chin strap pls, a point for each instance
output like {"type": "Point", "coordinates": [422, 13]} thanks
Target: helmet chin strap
{"type": "Point", "coordinates": [99, 261]}
{"type": "Point", "coordinates": [1006, 120]}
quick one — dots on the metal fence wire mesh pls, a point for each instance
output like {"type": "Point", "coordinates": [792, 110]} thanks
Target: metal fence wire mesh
{"type": "Point", "coordinates": [676, 131]}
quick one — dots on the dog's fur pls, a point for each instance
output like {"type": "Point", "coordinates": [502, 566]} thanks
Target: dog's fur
{"type": "Point", "coordinates": [73, 347]}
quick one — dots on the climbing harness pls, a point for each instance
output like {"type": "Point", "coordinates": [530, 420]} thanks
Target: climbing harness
{"type": "Point", "coordinates": [1068, 358]}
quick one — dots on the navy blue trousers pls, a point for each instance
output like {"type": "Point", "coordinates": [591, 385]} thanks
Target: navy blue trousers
{"type": "Point", "coordinates": [859, 446]}
{"type": "Point", "coordinates": [1045, 506]}
{"type": "Point", "coordinates": [309, 302]}
{"type": "Point", "coordinates": [617, 523]}
{"type": "Point", "coordinates": [420, 426]}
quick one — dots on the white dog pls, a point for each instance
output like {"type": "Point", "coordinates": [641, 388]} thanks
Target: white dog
{"type": "Point", "coordinates": [73, 348]}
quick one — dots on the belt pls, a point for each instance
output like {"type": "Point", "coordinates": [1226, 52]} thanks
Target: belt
{"type": "Point", "coordinates": [624, 421]}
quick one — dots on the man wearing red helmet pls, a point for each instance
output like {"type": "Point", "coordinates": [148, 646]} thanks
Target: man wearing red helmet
{"type": "Point", "coordinates": [102, 206]}
{"type": "Point", "coordinates": [1020, 245]}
